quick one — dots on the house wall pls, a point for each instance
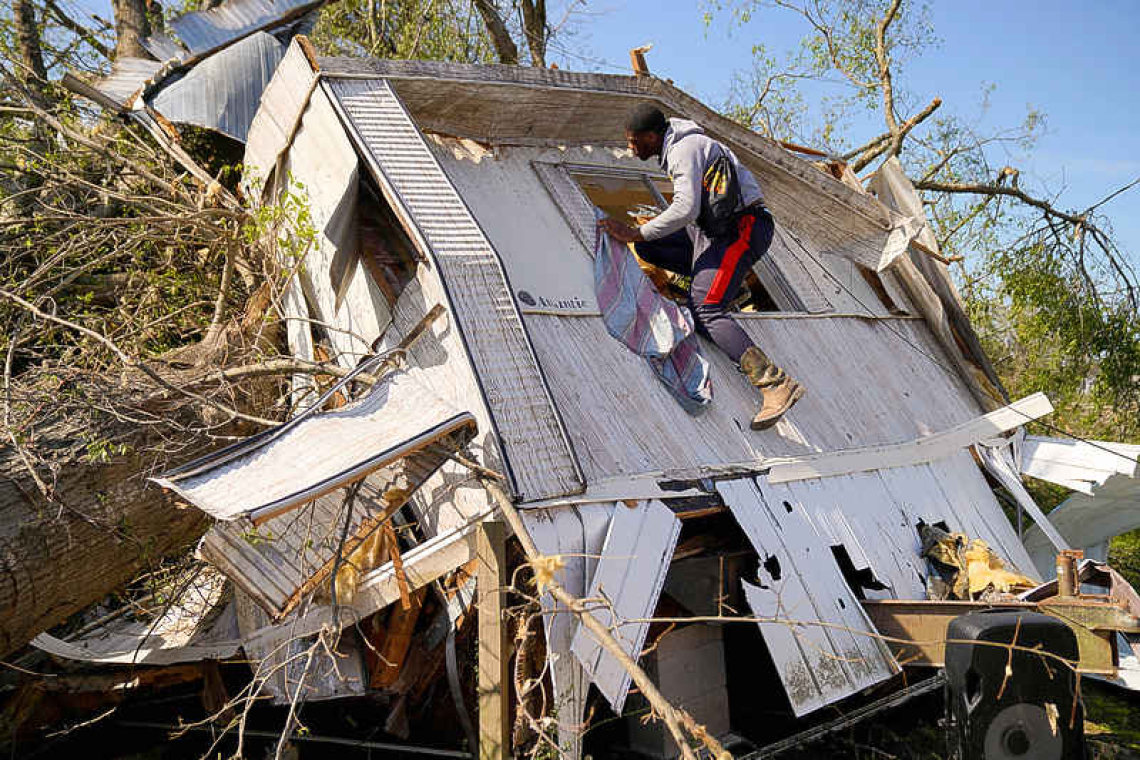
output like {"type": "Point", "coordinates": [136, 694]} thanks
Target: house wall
{"type": "Point", "coordinates": [543, 256]}
{"type": "Point", "coordinates": [321, 171]}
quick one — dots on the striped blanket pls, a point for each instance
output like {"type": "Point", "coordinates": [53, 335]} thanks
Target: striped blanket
{"type": "Point", "coordinates": [650, 325]}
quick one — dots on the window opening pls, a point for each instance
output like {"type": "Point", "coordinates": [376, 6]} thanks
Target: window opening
{"type": "Point", "coordinates": [635, 197]}
{"type": "Point", "coordinates": [386, 252]}
{"type": "Point", "coordinates": [626, 196]}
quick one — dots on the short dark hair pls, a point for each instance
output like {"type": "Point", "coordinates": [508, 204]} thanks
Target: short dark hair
{"type": "Point", "coordinates": [646, 118]}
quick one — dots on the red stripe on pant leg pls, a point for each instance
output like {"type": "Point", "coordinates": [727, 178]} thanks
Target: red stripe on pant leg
{"type": "Point", "coordinates": [731, 257]}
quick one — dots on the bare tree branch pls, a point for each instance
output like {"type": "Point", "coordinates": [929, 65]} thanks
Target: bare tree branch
{"type": "Point", "coordinates": [78, 29]}
{"type": "Point", "coordinates": [534, 29]}
{"type": "Point", "coordinates": [890, 142]}
{"type": "Point", "coordinates": [505, 47]}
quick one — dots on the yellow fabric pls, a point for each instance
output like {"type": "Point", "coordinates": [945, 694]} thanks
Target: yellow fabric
{"type": "Point", "coordinates": [984, 568]}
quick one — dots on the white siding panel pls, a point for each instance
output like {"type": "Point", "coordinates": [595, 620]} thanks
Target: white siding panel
{"type": "Point", "coordinates": [822, 642]}
{"type": "Point", "coordinates": [629, 577]}
{"type": "Point", "coordinates": [577, 534]}
{"type": "Point", "coordinates": [866, 384]}
{"type": "Point", "coordinates": [322, 168]}
{"type": "Point", "coordinates": [538, 456]}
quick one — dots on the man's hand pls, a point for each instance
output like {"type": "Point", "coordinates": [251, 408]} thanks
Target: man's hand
{"type": "Point", "coordinates": [621, 232]}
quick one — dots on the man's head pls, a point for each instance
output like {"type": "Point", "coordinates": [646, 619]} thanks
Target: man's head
{"type": "Point", "coordinates": [645, 131]}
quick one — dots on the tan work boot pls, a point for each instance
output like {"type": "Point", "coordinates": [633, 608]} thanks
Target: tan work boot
{"type": "Point", "coordinates": [780, 392]}
{"type": "Point", "coordinates": [777, 401]}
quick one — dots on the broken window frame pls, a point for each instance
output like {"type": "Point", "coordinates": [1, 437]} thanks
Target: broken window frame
{"type": "Point", "coordinates": [392, 268]}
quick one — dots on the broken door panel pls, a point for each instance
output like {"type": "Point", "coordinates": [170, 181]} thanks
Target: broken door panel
{"type": "Point", "coordinates": [821, 640]}
{"type": "Point", "coordinates": [629, 577]}
{"type": "Point", "coordinates": [576, 534]}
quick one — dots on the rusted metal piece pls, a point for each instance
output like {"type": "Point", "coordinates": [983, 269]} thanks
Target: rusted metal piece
{"type": "Point", "coordinates": [916, 630]}
{"type": "Point", "coordinates": [1068, 561]}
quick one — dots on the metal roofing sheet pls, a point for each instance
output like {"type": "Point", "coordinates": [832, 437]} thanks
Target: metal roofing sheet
{"type": "Point", "coordinates": [223, 92]}
{"type": "Point", "coordinates": [128, 75]}
{"type": "Point", "coordinates": [577, 535]}
{"type": "Point", "coordinates": [164, 47]}
{"type": "Point", "coordinates": [204, 31]}
{"type": "Point", "coordinates": [820, 639]}
{"type": "Point", "coordinates": [197, 624]}
{"type": "Point", "coordinates": [1079, 465]}
{"type": "Point", "coordinates": [286, 467]}
{"type": "Point", "coordinates": [1106, 478]}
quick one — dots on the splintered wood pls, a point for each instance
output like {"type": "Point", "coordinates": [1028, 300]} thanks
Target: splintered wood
{"type": "Point", "coordinates": [392, 649]}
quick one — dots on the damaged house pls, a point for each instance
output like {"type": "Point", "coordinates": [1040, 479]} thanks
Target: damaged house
{"type": "Point", "coordinates": [453, 274]}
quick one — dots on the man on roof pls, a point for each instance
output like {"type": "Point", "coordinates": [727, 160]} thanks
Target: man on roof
{"type": "Point", "coordinates": [714, 231]}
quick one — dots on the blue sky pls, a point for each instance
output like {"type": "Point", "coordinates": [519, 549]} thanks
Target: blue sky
{"type": "Point", "coordinates": [1076, 63]}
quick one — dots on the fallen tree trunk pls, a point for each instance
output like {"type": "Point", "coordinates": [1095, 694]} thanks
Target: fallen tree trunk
{"type": "Point", "coordinates": [78, 517]}
{"type": "Point", "coordinates": [103, 527]}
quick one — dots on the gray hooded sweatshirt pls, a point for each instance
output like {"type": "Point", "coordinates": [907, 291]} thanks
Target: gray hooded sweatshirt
{"type": "Point", "coordinates": [685, 155]}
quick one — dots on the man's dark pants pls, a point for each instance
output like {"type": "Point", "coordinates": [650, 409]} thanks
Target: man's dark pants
{"type": "Point", "coordinates": [717, 267]}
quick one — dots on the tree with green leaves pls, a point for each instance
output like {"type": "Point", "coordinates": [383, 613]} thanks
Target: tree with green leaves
{"type": "Point", "coordinates": [1048, 288]}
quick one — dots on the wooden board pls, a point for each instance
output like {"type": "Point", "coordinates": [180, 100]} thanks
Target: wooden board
{"type": "Point", "coordinates": [626, 585]}
{"type": "Point", "coordinates": [928, 448]}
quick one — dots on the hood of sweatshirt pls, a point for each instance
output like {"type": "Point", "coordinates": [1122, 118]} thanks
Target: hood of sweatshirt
{"type": "Point", "coordinates": [678, 130]}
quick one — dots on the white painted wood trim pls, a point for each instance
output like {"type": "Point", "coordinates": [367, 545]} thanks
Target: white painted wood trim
{"type": "Point", "coordinates": [638, 487]}
{"type": "Point", "coordinates": [160, 655]}
{"type": "Point", "coordinates": [926, 449]}
{"type": "Point", "coordinates": [999, 462]}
